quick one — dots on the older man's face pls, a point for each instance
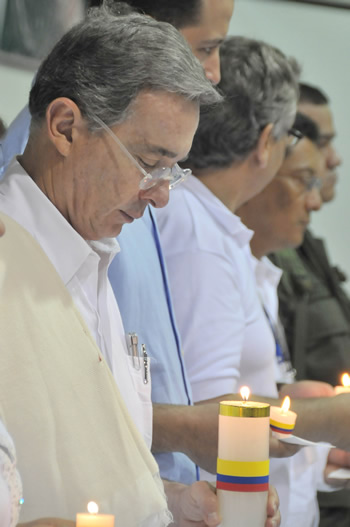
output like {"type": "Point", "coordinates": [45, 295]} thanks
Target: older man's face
{"type": "Point", "coordinates": [104, 188]}
{"type": "Point", "coordinates": [322, 115]}
{"type": "Point", "coordinates": [281, 213]}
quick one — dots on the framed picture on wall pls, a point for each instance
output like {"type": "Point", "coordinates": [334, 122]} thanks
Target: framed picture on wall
{"type": "Point", "coordinates": [342, 4]}
{"type": "Point", "coordinates": [30, 28]}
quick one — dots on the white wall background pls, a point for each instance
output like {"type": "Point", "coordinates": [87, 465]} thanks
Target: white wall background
{"type": "Point", "coordinates": [14, 90]}
{"type": "Point", "coordinates": [319, 37]}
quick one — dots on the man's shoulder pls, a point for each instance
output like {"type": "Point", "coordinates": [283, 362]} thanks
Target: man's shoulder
{"type": "Point", "coordinates": [295, 279]}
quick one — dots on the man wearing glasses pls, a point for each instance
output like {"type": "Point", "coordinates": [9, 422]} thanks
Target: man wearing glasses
{"type": "Point", "coordinates": [138, 275]}
{"type": "Point", "coordinates": [72, 190]}
{"type": "Point", "coordinates": [237, 150]}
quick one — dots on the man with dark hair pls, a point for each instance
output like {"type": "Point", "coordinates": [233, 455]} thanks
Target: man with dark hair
{"type": "Point", "coordinates": [311, 296]}
{"type": "Point", "coordinates": [178, 13]}
{"type": "Point", "coordinates": [314, 307]}
{"type": "Point", "coordinates": [2, 128]}
{"type": "Point", "coordinates": [204, 24]}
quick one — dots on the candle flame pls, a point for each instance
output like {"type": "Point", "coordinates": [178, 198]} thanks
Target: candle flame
{"type": "Point", "coordinates": [345, 379]}
{"type": "Point", "coordinates": [92, 507]}
{"type": "Point", "coordinates": [286, 404]}
{"type": "Point", "coordinates": [245, 392]}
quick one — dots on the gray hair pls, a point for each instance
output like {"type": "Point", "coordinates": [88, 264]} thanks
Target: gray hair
{"type": "Point", "coordinates": [260, 86]}
{"type": "Point", "coordinates": [105, 61]}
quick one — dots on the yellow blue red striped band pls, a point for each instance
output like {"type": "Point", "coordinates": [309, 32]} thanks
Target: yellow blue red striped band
{"type": "Point", "coordinates": [242, 476]}
{"type": "Point", "coordinates": [243, 468]}
{"type": "Point", "coordinates": [282, 428]}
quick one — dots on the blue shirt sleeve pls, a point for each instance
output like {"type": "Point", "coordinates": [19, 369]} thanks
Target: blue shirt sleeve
{"type": "Point", "coordinates": [15, 139]}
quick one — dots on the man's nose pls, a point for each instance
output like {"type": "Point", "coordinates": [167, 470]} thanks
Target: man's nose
{"type": "Point", "coordinates": [212, 67]}
{"type": "Point", "coordinates": [158, 195]}
{"type": "Point", "coordinates": [314, 199]}
{"type": "Point", "coordinates": [334, 159]}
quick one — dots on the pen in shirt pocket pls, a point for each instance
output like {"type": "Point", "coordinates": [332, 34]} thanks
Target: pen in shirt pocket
{"type": "Point", "coordinates": [145, 363]}
{"type": "Point", "coordinates": [133, 345]}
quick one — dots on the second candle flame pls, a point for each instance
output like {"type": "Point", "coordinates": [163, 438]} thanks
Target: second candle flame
{"type": "Point", "coordinates": [345, 380]}
{"type": "Point", "coordinates": [245, 392]}
{"type": "Point", "coordinates": [285, 405]}
{"type": "Point", "coordinates": [92, 507]}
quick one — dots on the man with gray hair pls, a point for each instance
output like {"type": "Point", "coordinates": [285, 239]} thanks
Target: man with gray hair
{"type": "Point", "coordinates": [114, 107]}
{"type": "Point", "coordinates": [237, 150]}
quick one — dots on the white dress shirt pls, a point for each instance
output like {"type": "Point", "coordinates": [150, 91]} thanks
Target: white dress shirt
{"type": "Point", "coordinates": [306, 468]}
{"type": "Point", "coordinates": [82, 267]}
{"type": "Point", "coordinates": [226, 339]}
{"type": "Point", "coordinates": [226, 336]}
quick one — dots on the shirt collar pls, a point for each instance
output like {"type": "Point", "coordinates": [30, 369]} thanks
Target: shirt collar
{"type": "Point", "coordinates": [222, 215]}
{"type": "Point", "coordinates": [66, 249]}
{"type": "Point", "coordinates": [265, 270]}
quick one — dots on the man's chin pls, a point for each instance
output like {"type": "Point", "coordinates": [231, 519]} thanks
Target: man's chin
{"type": "Point", "coordinates": [328, 194]}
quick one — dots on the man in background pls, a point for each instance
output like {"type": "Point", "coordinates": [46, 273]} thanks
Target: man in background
{"type": "Point", "coordinates": [314, 307]}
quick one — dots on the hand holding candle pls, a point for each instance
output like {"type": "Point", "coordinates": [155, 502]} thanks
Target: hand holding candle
{"type": "Point", "coordinates": [93, 519]}
{"type": "Point", "coordinates": [243, 462]}
{"type": "Point", "coordinates": [282, 420]}
{"type": "Point", "coordinates": [345, 388]}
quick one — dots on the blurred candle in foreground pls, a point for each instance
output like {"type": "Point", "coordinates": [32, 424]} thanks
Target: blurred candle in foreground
{"type": "Point", "coordinates": [93, 519]}
{"type": "Point", "coordinates": [282, 420]}
{"type": "Point", "coordinates": [243, 462]}
{"type": "Point", "coordinates": [345, 388]}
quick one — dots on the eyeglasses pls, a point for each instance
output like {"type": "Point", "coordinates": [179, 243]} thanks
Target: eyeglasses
{"type": "Point", "coordinates": [294, 136]}
{"type": "Point", "coordinates": [174, 175]}
{"type": "Point", "coordinates": [309, 183]}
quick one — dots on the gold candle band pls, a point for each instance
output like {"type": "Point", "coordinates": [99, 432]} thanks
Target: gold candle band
{"type": "Point", "coordinates": [244, 409]}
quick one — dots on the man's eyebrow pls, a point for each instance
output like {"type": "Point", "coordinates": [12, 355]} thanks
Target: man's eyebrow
{"type": "Point", "coordinates": [155, 149]}
{"type": "Point", "coordinates": [213, 42]}
{"type": "Point", "coordinates": [304, 170]}
{"type": "Point", "coordinates": [327, 136]}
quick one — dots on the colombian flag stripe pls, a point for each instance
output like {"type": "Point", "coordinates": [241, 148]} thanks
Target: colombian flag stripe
{"type": "Point", "coordinates": [283, 426]}
{"type": "Point", "coordinates": [248, 469]}
{"type": "Point", "coordinates": [236, 487]}
{"type": "Point", "coordinates": [241, 480]}
{"type": "Point", "coordinates": [280, 430]}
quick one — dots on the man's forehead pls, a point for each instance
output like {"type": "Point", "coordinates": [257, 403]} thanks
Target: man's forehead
{"type": "Point", "coordinates": [213, 21]}
{"type": "Point", "coordinates": [321, 114]}
{"type": "Point", "coordinates": [305, 157]}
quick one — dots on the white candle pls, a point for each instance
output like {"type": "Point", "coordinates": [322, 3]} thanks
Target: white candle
{"type": "Point", "coordinates": [345, 388]}
{"type": "Point", "coordinates": [243, 463]}
{"type": "Point", "coordinates": [92, 519]}
{"type": "Point", "coordinates": [282, 420]}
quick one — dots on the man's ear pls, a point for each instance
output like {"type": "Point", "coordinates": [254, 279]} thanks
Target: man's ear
{"type": "Point", "coordinates": [62, 118]}
{"type": "Point", "coordinates": [263, 149]}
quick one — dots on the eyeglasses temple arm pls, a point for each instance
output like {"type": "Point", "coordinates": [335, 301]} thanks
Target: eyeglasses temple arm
{"type": "Point", "coordinates": [120, 144]}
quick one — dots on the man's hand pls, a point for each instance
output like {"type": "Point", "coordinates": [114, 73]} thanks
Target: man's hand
{"type": "Point", "coordinates": [273, 512]}
{"type": "Point", "coordinates": [280, 449]}
{"type": "Point", "coordinates": [192, 430]}
{"type": "Point", "coordinates": [306, 389]}
{"type": "Point", "coordinates": [198, 505]}
{"type": "Point", "coordinates": [337, 459]}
